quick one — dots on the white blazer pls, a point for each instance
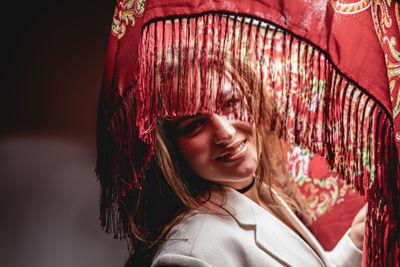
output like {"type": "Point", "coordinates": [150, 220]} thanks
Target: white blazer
{"type": "Point", "coordinates": [242, 233]}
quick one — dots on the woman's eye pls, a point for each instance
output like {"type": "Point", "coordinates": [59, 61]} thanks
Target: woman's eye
{"type": "Point", "coordinates": [191, 127]}
{"type": "Point", "coordinates": [232, 104]}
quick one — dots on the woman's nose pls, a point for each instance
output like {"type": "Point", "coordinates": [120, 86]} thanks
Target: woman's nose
{"type": "Point", "coordinates": [224, 130]}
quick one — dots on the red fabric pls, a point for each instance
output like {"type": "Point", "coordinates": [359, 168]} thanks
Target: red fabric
{"type": "Point", "coordinates": [386, 16]}
{"type": "Point", "coordinates": [330, 203]}
{"type": "Point", "coordinates": [347, 32]}
{"type": "Point", "coordinates": [330, 227]}
{"type": "Point", "coordinates": [315, 21]}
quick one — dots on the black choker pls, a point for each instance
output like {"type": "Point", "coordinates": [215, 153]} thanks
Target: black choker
{"type": "Point", "coordinates": [247, 188]}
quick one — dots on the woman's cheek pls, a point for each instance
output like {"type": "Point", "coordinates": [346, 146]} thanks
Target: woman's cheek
{"type": "Point", "coordinates": [195, 150]}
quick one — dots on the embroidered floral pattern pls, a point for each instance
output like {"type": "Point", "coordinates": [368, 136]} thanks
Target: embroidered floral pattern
{"type": "Point", "coordinates": [350, 7]}
{"type": "Point", "coordinates": [321, 190]}
{"type": "Point", "coordinates": [125, 14]}
{"type": "Point", "coordinates": [386, 16]}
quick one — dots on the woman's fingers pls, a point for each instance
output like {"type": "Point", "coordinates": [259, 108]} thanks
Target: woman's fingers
{"type": "Point", "coordinates": [358, 227]}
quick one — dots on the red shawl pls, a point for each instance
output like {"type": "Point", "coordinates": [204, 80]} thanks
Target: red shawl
{"type": "Point", "coordinates": [332, 66]}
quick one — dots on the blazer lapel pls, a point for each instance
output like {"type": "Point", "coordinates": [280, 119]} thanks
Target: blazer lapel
{"type": "Point", "coordinates": [267, 238]}
{"type": "Point", "coordinates": [302, 230]}
{"type": "Point", "coordinates": [271, 235]}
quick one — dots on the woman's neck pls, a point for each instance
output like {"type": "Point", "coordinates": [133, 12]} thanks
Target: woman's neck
{"type": "Point", "coordinates": [253, 194]}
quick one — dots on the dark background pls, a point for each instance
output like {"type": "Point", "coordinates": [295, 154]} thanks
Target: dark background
{"type": "Point", "coordinates": [53, 55]}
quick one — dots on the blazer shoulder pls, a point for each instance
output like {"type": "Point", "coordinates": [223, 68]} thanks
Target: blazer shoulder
{"type": "Point", "coordinates": [189, 235]}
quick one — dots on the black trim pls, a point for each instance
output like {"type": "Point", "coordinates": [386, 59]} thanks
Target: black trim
{"type": "Point", "coordinates": [247, 188]}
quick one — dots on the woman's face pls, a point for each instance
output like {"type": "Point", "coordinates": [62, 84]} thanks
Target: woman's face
{"type": "Point", "coordinates": [218, 148]}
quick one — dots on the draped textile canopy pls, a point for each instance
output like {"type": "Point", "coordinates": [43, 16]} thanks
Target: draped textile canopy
{"type": "Point", "coordinates": [331, 66]}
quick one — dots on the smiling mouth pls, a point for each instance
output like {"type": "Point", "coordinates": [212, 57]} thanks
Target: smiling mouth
{"type": "Point", "coordinates": [234, 154]}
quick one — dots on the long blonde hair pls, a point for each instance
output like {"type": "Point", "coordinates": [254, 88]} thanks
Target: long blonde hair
{"type": "Point", "coordinates": [171, 188]}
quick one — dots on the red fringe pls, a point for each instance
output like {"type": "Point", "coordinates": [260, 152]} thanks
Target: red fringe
{"type": "Point", "coordinates": [322, 109]}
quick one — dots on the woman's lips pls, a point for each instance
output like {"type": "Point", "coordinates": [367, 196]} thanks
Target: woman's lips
{"type": "Point", "coordinates": [234, 154]}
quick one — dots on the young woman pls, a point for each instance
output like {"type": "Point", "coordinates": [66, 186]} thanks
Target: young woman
{"type": "Point", "coordinates": [214, 192]}
{"type": "Point", "coordinates": [189, 154]}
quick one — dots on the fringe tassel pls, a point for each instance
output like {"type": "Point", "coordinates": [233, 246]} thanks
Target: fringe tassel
{"type": "Point", "coordinates": [321, 108]}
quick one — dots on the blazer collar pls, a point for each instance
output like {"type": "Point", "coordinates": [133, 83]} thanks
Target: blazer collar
{"type": "Point", "coordinates": [269, 230]}
{"type": "Point", "coordinates": [239, 207]}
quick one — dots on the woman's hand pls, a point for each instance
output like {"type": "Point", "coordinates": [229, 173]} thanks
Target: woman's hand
{"type": "Point", "coordinates": [358, 228]}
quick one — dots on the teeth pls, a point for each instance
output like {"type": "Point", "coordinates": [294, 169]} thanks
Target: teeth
{"type": "Point", "coordinates": [237, 150]}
